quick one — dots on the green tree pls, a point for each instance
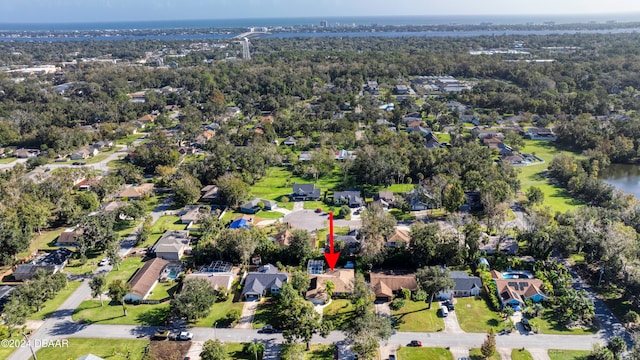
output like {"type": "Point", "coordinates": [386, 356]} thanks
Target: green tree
{"type": "Point", "coordinates": [535, 196]}
{"type": "Point", "coordinates": [297, 317]}
{"type": "Point", "coordinates": [299, 249]}
{"type": "Point", "coordinates": [424, 241]}
{"type": "Point", "coordinates": [113, 255]}
{"type": "Point", "coordinates": [292, 352]}
{"type": "Point", "coordinates": [187, 190]}
{"type": "Point", "coordinates": [143, 233]}
{"type": "Point", "coordinates": [377, 226]}
{"type": "Point", "coordinates": [300, 281]}
{"type": "Point", "coordinates": [15, 313]}
{"type": "Point", "coordinates": [98, 284]}
{"type": "Point", "coordinates": [453, 197]}
{"type": "Point", "coordinates": [488, 347]}
{"type": "Point", "coordinates": [117, 291]}
{"type": "Point", "coordinates": [617, 345]}
{"type": "Point", "coordinates": [254, 348]}
{"type": "Point", "coordinates": [233, 190]}
{"type": "Point", "coordinates": [329, 287]}
{"type": "Point", "coordinates": [194, 301]}
{"type": "Point", "coordinates": [433, 279]}
{"type": "Point", "coordinates": [213, 350]}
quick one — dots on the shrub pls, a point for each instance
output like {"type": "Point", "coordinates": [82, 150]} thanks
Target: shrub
{"type": "Point", "coordinates": [406, 294]}
{"type": "Point", "coordinates": [397, 304]}
{"type": "Point", "coordinates": [420, 295]}
{"type": "Point", "coordinates": [222, 295]}
{"type": "Point", "coordinates": [284, 199]}
{"type": "Point", "coordinates": [233, 316]}
{"type": "Point", "coordinates": [344, 211]}
{"type": "Point", "coordinates": [631, 317]}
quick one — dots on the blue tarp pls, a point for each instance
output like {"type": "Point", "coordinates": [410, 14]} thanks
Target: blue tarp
{"type": "Point", "coordinates": [239, 224]}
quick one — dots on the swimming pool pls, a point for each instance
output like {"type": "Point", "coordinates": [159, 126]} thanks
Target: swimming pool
{"type": "Point", "coordinates": [173, 273]}
{"type": "Point", "coordinates": [517, 275]}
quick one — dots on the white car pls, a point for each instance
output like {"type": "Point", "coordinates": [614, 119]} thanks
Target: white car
{"type": "Point", "coordinates": [185, 336]}
{"type": "Point", "coordinates": [104, 262]}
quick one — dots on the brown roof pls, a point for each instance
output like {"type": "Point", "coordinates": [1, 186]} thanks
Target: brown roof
{"type": "Point", "coordinates": [400, 236]}
{"type": "Point", "coordinates": [70, 236]}
{"type": "Point", "coordinates": [495, 274]}
{"type": "Point", "coordinates": [216, 280]}
{"type": "Point", "coordinates": [518, 288]}
{"type": "Point", "coordinates": [283, 238]}
{"type": "Point", "coordinates": [386, 195]}
{"type": "Point", "coordinates": [136, 191]}
{"type": "Point", "coordinates": [384, 284]}
{"type": "Point", "coordinates": [147, 276]}
{"type": "Point", "coordinates": [147, 117]}
{"type": "Point", "coordinates": [491, 140]}
{"type": "Point", "coordinates": [113, 206]}
{"type": "Point", "coordinates": [342, 279]}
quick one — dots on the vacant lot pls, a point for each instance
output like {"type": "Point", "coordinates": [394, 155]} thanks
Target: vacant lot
{"type": "Point", "coordinates": [112, 313]}
{"type": "Point", "coordinates": [568, 354]}
{"type": "Point", "coordinates": [421, 353]}
{"type": "Point", "coordinates": [416, 316]}
{"type": "Point", "coordinates": [218, 314]}
{"type": "Point", "coordinates": [475, 316]}
{"type": "Point", "coordinates": [112, 350]}
{"type": "Point", "coordinates": [52, 305]}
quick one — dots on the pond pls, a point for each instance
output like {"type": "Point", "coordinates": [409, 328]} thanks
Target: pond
{"type": "Point", "coordinates": [624, 177]}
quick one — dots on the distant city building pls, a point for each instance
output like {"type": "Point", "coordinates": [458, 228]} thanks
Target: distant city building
{"type": "Point", "coordinates": [324, 23]}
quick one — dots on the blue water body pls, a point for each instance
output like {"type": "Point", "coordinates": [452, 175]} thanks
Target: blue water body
{"type": "Point", "coordinates": [332, 22]}
{"type": "Point", "coordinates": [355, 34]}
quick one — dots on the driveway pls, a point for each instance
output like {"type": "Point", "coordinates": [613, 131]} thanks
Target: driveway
{"type": "Point", "coordinates": [459, 352]}
{"type": "Point", "coordinates": [539, 354]}
{"type": "Point", "coordinates": [505, 353]}
{"type": "Point", "coordinates": [248, 312]}
{"type": "Point", "coordinates": [451, 325]}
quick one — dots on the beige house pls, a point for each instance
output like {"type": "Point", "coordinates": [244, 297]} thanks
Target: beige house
{"type": "Point", "coordinates": [386, 284]}
{"type": "Point", "coordinates": [136, 192]}
{"type": "Point", "coordinates": [342, 279]}
{"type": "Point", "coordinates": [172, 245]}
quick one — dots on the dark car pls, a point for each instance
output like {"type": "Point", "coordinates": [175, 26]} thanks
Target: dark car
{"type": "Point", "coordinates": [415, 343]}
{"type": "Point", "coordinates": [525, 324]}
{"type": "Point", "coordinates": [268, 330]}
{"type": "Point", "coordinates": [450, 306]}
{"type": "Point", "coordinates": [76, 163]}
{"type": "Point", "coordinates": [392, 357]}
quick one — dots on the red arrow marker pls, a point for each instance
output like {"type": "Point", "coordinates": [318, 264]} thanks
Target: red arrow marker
{"type": "Point", "coordinates": [332, 258]}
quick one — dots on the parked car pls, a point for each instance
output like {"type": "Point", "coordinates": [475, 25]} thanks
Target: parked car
{"type": "Point", "coordinates": [76, 163]}
{"type": "Point", "coordinates": [392, 357]}
{"type": "Point", "coordinates": [449, 305]}
{"type": "Point", "coordinates": [161, 334]}
{"type": "Point", "coordinates": [268, 329]}
{"type": "Point", "coordinates": [185, 336]}
{"type": "Point", "coordinates": [104, 262]}
{"type": "Point", "coordinates": [525, 324]}
{"type": "Point", "coordinates": [444, 311]}
{"type": "Point", "coordinates": [415, 343]}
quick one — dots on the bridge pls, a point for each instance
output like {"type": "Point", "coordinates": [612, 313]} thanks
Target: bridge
{"type": "Point", "coordinates": [249, 34]}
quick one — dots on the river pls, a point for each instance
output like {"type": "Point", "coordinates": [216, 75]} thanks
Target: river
{"type": "Point", "coordinates": [624, 177]}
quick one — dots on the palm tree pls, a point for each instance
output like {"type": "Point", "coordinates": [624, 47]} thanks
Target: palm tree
{"type": "Point", "coordinates": [255, 348]}
{"type": "Point", "coordinates": [329, 287]}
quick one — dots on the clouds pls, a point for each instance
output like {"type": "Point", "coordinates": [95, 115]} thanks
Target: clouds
{"type": "Point", "coordinates": [127, 10]}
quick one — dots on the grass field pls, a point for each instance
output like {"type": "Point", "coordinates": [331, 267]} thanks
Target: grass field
{"type": "Point", "coordinates": [554, 196]}
{"type": "Point", "coordinates": [111, 313]}
{"type": "Point", "coordinates": [259, 216]}
{"type": "Point", "coordinates": [43, 241]}
{"type": "Point", "coordinates": [339, 312]}
{"type": "Point", "coordinates": [519, 354]}
{"type": "Point", "coordinates": [548, 325]}
{"type": "Point", "coordinates": [475, 316]}
{"type": "Point", "coordinates": [52, 305]}
{"type": "Point", "coordinates": [264, 314]}
{"type": "Point", "coordinates": [279, 182]}
{"type": "Point", "coordinates": [218, 313]}
{"type": "Point", "coordinates": [475, 354]}
{"type": "Point", "coordinates": [127, 268]}
{"type": "Point", "coordinates": [415, 316]}
{"type": "Point", "coordinates": [421, 353]}
{"type": "Point", "coordinates": [568, 354]}
{"type": "Point", "coordinates": [8, 160]}
{"type": "Point", "coordinates": [108, 350]}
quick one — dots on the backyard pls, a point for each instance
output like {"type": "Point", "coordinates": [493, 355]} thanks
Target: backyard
{"type": "Point", "coordinates": [112, 350]}
{"type": "Point", "coordinates": [416, 316]}
{"type": "Point", "coordinates": [475, 316]}
{"type": "Point", "coordinates": [420, 353]}
{"type": "Point", "coordinates": [127, 268]}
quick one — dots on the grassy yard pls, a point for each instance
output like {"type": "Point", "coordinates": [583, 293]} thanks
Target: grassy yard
{"type": "Point", "coordinates": [127, 268]}
{"type": "Point", "coordinates": [6, 351]}
{"type": "Point", "coordinates": [554, 196]}
{"type": "Point", "coordinates": [90, 311]}
{"type": "Point", "coordinates": [415, 316]}
{"type": "Point", "coordinates": [475, 316]}
{"type": "Point", "coordinates": [259, 216]}
{"type": "Point", "coordinates": [52, 305]}
{"type": "Point", "coordinates": [549, 325]}
{"type": "Point", "coordinates": [312, 205]}
{"type": "Point", "coordinates": [520, 354]}
{"type": "Point", "coordinates": [129, 138]}
{"type": "Point", "coordinates": [96, 159]}
{"type": "Point", "coordinates": [616, 302]}
{"type": "Point", "coordinates": [568, 354]}
{"type": "Point", "coordinates": [339, 312]}
{"type": "Point", "coordinates": [8, 160]}
{"type": "Point", "coordinates": [45, 240]}
{"type": "Point", "coordinates": [164, 223]}
{"type": "Point", "coordinates": [264, 314]}
{"type": "Point", "coordinates": [163, 290]}
{"type": "Point", "coordinates": [420, 353]}
{"type": "Point", "coordinates": [400, 216]}
{"type": "Point", "coordinates": [320, 352]}
{"type": "Point", "coordinates": [109, 350]}
{"type": "Point", "coordinates": [218, 313]}
{"type": "Point", "coordinates": [475, 354]}
{"type": "Point", "coordinates": [279, 182]}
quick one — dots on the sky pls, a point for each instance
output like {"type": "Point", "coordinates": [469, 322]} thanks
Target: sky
{"type": "Point", "coordinates": [56, 11]}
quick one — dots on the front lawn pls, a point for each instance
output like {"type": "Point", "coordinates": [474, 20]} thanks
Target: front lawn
{"type": "Point", "coordinates": [400, 216]}
{"type": "Point", "coordinates": [420, 353]}
{"type": "Point", "coordinates": [475, 354]}
{"type": "Point", "coordinates": [316, 352]}
{"type": "Point", "coordinates": [127, 268]}
{"type": "Point", "coordinates": [218, 314]}
{"type": "Point", "coordinates": [111, 313]}
{"type": "Point", "coordinates": [339, 312]}
{"type": "Point", "coordinates": [520, 354]}
{"type": "Point", "coordinates": [475, 316]}
{"type": "Point", "coordinates": [568, 354]}
{"type": "Point", "coordinates": [265, 314]}
{"type": "Point", "coordinates": [549, 325]}
{"type": "Point", "coordinates": [313, 205]}
{"type": "Point", "coordinates": [415, 316]}
{"type": "Point", "coordinates": [113, 350]}
{"type": "Point", "coordinates": [53, 304]}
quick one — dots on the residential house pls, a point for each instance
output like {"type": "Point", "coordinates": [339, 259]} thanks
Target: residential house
{"type": "Point", "coordinates": [84, 153]}
{"type": "Point", "coordinates": [28, 271]}
{"type": "Point", "coordinates": [304, 192]}
{"type": "Point", "coordinates": [489, 245]}
{"type": "Point", "coordinates": [386, 284]}
{"type": "Point", "coordinates": [192, 214]}
{"type": "Point", "coordinates": [342, 280]}
{"type": "Point", "coordinates": [419, 199]}
{"type": "Point", "coordinates": [145, 279]}
{"type": "Point", "coordinates": [305, 156]}
{"type": "Point", "coordinates": [112, 206]}
{"type": "Point", "coordinates": [3, 153]}
{"type": "Point", "coordinates": [87, 184]}
{"type": "Point", "coordinates": [497, 145]}
{"type": "Point", "coordinates": [213, 126]}
{"type": "Point", "coordinates": [465, 286]}
{"type": "Point", "coordinates": [472, 119]}
{"type": "Point", "coordinates": [69, 237]}
{"type": "Point", "coordinates": [215, 280]}
{"type": "Point", "coordinates": [387, 198]}
{"type": "Point", "coordinates": [147, 118]}
{"type": "Point", "coordinates": [210, 193]}
{"type": "Point", "coordinates": [539, 133]}
{"type": "Point", "coordinates": [172, 245]}
{"type": "Point", "coordinates": [399, 238]}
{"type": "Point", "coordinates": [136, 192]}
{"type": "Point", "coordinates": [266, 280]}
{"type": "Point", "coordinates": [171, 108]}
{"type": "Point", "coordinates": [101, 145]}
{"type": "Point", "coordinates": [514, 292]}
{"type": "Point", "coordinates": [26, 153]}
{"type": "Point", "coordinates": [346, 243]}
{"type": "Point", "coordinates": [204, 137]}
{"type": "Point", "coordinates": [372, 88]}
{"type": "Point", "coordinates": [252, 207]}
{"type": "Point", "coordinates": [402, 90]}
{"type": "Point", "coordinates": [350, 198]}
{"type": "Point", "coordinates": [342, 155]}
{"type": "Point", "coordinates": [283, 238]}
{"type": "Point", "coordinates": [484, 133]}
{"type": "Point", "coordinates": [5, 294]}
{"type": "Point", "coordinates": [514, 159]}
{"type": "Point", "coordinates": [290, 141]}
{"type": "Point", "coordinates": [418, 129]}
{"type": "Point", "coordinates": [50, 263]}
{"type": "Point", "coordinates": [431, 141]}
